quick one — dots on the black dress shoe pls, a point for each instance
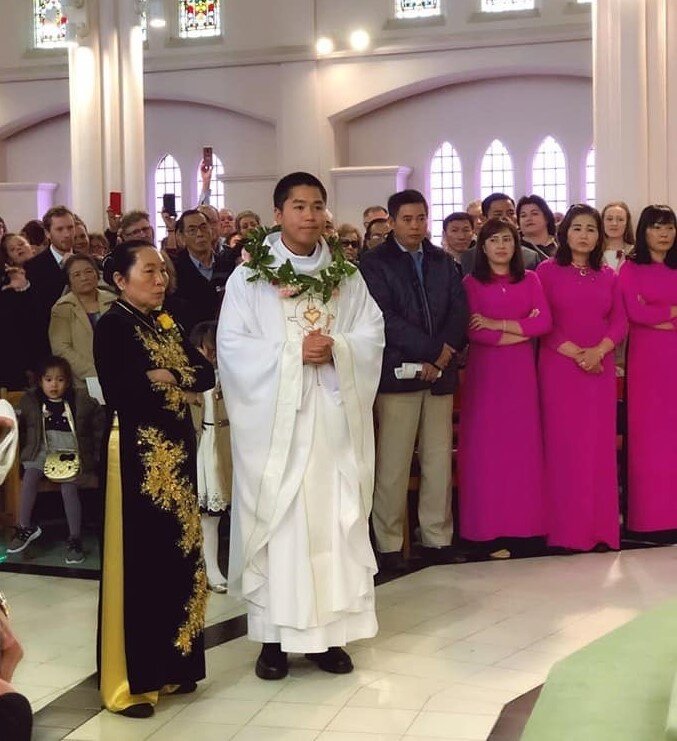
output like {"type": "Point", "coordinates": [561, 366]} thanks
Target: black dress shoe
{"type": "Point", "coordinates": [444, 555]}
{"type": "Point", "coordinates": [272, 662]}
{"type": "Point", "coordinates": [334, 660]}
{"type": "Point", "coordinates": [393, 561]}
{"type": "Point", "coordinates": [558, 550]}
{"type": "Point", "coordinates": [142, 710]}
{"type": "Point", "coordinates": [186, 688]}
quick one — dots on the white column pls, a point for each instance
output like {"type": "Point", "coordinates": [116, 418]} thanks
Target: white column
{"type": "Point", "coordinates": [107, 114]}
{"type": "Point", "coordinates": [131, 107]}
{"type": "Point", "coordinates": [111, 99]}
{"type": "Point", "coordinates": [635, 101]}
{"type": "Point", "coordinates": [304, 136]}
{"type": "Point", "coordinates": [671, 98]}
{"type": "Point", "coordinates": [85, 123]}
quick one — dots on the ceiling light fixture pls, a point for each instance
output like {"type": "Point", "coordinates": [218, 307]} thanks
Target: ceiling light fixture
{"type": "Point", "coordinates": [360, 40]}
{"type": "Point", "coordinates": [324, 46]}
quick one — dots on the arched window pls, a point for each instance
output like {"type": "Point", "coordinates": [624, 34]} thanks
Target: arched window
{"type": "Point", "coordinates": [49, 24]}
{"type": "Point", "coordinates": [218, 188]}
{"type": "Point", "coordinates": [198, 18]}
{"type": "Point", "coordinates": [549, 174]}
{"type": "Point", "coordinates": [167, 180]}
{"type": "Point", "coordinates": [417, 8]}
{"type": "Point", "coordinates": [496, 173]}
{"type": "Point", "coordinates": [590, 177]}
{"type": "Point", "coordinates": [446, 187]}
{"type": "Point", "coordinates": [502, 6]}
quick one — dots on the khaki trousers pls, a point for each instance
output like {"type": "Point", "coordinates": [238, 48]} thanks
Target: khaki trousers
{"type": "Point", "coordinates": [401, 418]}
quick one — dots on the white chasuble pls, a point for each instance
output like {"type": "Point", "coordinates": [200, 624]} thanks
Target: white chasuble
{"type": "Point", "coordinates": [303, 456]}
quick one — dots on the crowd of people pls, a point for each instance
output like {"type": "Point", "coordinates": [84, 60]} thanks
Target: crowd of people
{"type": "Point", "coordinates": [529, 308]}
{"type": "Point", "coordinates": [54, 294]}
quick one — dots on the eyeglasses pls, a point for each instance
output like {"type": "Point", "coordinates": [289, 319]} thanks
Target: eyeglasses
{"type": "Point", "coordinates": [193, 230]}
{"type": "Point", "coordinates": [139, 231]}
{"type": "Point", "coordinates": [350, 243]}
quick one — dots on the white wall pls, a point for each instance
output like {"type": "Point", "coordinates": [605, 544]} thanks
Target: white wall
{"type": "Point", "coordinates": [267, 105]}
{"type": "Point", "coordinates": [41, 153]}
{"type": "Point", "coordinates": [255, 28]}
{"type": "Point", "coordinates": [519, 111]}
{"type": "Point", "coordinates": [246, 147]}
{"type": "Point", "coordinates": [20, 202]}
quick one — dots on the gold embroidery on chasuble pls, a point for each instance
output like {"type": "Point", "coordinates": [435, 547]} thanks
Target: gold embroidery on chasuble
{"type": "Point", "coordinates": [172, 492]}
{"type": "Point", "coordinates": [309, 313]}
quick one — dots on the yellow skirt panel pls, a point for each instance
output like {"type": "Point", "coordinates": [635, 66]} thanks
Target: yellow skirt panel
{"type": "Point", "coordinates": [115, 692]}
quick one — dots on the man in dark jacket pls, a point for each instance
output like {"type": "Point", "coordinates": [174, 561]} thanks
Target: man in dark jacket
{"type": "Point", "coordinates": [419, 291]}
{"type": "Point", "coordinates": [201, 275]}
{"type": "Point", "coordinates": [44, 271]}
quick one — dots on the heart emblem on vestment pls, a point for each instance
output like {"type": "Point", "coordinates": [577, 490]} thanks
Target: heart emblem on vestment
{"type": "Point", "coordinates": [312, 315]}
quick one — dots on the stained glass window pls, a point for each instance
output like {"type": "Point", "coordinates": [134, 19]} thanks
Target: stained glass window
{"type": "Point", "coordinates": [501, 6]}
{"type": "Point", "coordinates": [199, 18]}
{"type": "Point", "coordinates": [417, 8]}
{"type": "Point", "coordinates": [49, 23]}
{"type": "Point", "coordinates": [590, 177]}
{"type": "Point", "coordinates": [446, 187]}
{"type": "Point", "coordinates": [496, 173]}
{"type": "Point", "coordinates": [167, 180]}
{"type": "Point", "coordinates": [549, 173]}
{"type": "Point", "coordinates": [218, 188]}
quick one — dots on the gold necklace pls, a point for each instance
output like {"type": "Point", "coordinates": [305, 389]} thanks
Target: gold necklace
{"type": "Point", "coordinates": [139, 315]}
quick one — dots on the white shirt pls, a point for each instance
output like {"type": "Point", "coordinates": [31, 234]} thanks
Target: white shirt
{"type": "Point", "coordinates": [58, 256]}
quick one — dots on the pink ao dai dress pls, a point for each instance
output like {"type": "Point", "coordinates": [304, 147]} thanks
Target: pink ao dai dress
{"type": "Point", "coordinates": [500, 441]}
{"type": "Point", "coordinates": [649, 291]}
{"type": "Point", "coordinates": [579, 408]}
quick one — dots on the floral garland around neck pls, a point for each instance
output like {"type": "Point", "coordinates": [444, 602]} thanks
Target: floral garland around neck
{"type": "Point", "coordinates": [257, 258]}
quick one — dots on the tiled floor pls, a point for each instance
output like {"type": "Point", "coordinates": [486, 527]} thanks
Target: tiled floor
{"type": "Point", "coordinates": [55, 620]}
{"type": "Point", "coordinates": [456, 643]}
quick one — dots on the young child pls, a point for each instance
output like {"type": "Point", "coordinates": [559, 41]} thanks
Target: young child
{"type": "Point", "coordinates": [214, 465]}
{"type": "Point", "coordinates": [56, 402]}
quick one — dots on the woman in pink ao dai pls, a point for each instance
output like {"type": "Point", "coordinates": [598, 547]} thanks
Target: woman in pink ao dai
{"type": "Point", "coordinates": [648, 282]}
{"type": "Point", "coordinates": [578, 387]}
{"type": "Point", "coordinates": [500, 441]}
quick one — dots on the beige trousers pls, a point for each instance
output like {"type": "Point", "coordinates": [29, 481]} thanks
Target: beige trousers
{"type": "Point", "coordinates": [401, 418]}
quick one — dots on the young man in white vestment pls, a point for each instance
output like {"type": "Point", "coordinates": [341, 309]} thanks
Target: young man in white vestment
{"type": "Point", "coordinates": [300, 342]}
